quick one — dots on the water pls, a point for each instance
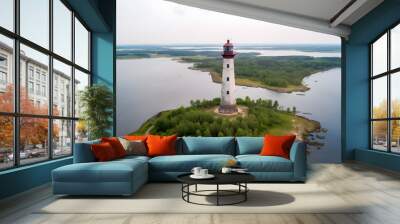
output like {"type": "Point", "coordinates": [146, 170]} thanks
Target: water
{"type": "Point", "coordinates": [148, 86]}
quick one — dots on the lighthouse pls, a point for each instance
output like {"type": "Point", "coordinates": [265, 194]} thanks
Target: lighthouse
{"type": "Point", "coordinates": [228, 100]}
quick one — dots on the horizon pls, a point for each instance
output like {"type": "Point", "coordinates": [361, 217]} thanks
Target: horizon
{"type": "Point", "coordinates": [239, 44]}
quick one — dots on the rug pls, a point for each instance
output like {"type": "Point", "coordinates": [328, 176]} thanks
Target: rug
{"type": "Point", "coordinates": [166, 198]}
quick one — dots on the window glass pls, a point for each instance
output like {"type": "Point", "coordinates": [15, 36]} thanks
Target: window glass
{"type": "Point", "coordinates": [33, 140]}
{"type": "Point", "coordinates": [395, 47]}
{"type": "Point", "coordinates": [34, 19]}
{"type": "Point", "coordinates": [395, 136]}
{"type": "Point", "coordinates": [38, 102]}
{"type": "Point", "coordinates": [81, 45]}
{"type": "Point", "coordinates": [379, 98]}
{"type": "Point", "coordinates": [395, 95]}
{"type": "Point", "coordinates": [6, 142]}
{"type": "Point", "coordinates": [6, 74]}
{"type": "Point", "coordinates": [62, 28]}
{"type": "Point", "coordinates": [81, 82]}
{"type": "Point", "coordinates": [62, 89]}
{"type": "Point", "coordinates": [379, 135]}
{"type": "Point", "coordinates": [81, 131]}
{"type": "Point", "coordinates": [379, 56]}
{"type": "Point", "coordinates": [62, 138]}
{"type": "Point", "coordinates": [7, 14]}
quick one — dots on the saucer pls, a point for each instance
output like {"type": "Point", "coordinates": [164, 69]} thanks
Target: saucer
{"type": "Point", "coordinates": [208, 176]}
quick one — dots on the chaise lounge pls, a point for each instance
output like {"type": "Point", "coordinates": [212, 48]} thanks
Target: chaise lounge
{"type": "Point", "coordinates": [125, 176]}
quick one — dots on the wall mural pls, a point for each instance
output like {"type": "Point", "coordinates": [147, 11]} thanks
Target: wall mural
{"type": "Point", "coordinates": [232, 89]}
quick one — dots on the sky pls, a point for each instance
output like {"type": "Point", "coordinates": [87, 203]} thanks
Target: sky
{"type": "Point", "coordinates": [163, 22]}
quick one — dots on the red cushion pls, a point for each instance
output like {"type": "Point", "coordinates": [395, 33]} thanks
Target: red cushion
{"type": "Point", "coordinates": [277, 145]}
{"type": "Point", "coordinates": [135, 137]}
{"type": "Point", "coordinates": [116, 145]}
{"type": "Point", "coordinates": [161, 145]}
{"type": "Point", "coordinates": [103, 152]}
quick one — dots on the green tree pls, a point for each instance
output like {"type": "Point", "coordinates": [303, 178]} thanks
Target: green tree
{"type": "Point", "coordinates": [97, 104]}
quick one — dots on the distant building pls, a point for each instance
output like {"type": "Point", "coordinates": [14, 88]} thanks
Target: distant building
{"type": "Point", "coordinates": [34, 79]}
{"type": "Point", "coordinates": [228, 99]}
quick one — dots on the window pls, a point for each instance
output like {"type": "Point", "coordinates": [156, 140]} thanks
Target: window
{"type": "Point", "coordinates": [3, 61]}
{"type": "Point", "coordinates": [47, 74]}
{"type": "Point", "coordinates": [227, 65]}
{"type": "Point", "coordinates": [6, 73]}
{"type": "Point", "coordinates": [7, 14]}
{"type": "Point", "coordinates": [34, 21]}
{"type": "Point", "coordinates": [31, 76]}
{"type": "Point", "coordinates": [7, 142]}
{"type": "Point", "coordinates": [3, 78]}
{"type": "Point", "coordinates": [37, 90]}
{"type": "Point", "coordinates": [61, 75]}
{"type": "Point", "coordinates": [227, 92]}
{"type": "Point", "coordinates": [227, 79]}
{"type": "Point", "coordinates": [385, 94]}
{"type": "Point", "coordinates": [62, 137]}
{"type": "Point", "coordinates": [81, 45]}
{"type": "Point", "coordinates": [30, 88]}
{"type": "Point", "coordinates": [81, 82]}
{"type": "Point", "coordinates": [62, 29]}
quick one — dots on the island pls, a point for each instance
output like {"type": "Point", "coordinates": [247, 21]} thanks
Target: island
{"type": "Point", "coordinates": [257, 118]}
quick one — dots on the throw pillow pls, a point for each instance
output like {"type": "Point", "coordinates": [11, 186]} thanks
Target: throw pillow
{"type": "Point", "coordinates": [136, 137]}
{"type": "Point", "coordinates": [161, 145]}
{"type": "Point", "coordinates": [116, 145]}
{"type": "Point", "coordinates": [137, 148]}
{"type": "Point", "coordinates": [103, 152]}
{"type": "Point", "coordinates": [277, 145]}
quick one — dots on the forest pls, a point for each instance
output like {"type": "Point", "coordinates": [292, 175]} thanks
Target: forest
{"type": "Point", "coordinates": [282, 71]}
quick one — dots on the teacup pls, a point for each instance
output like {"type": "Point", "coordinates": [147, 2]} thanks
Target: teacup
{"type": "Point", "coordinates": [226, 170]}
{"type": "Point", "coordinates": [203, 172]}
{"type": "Point", "coordinates": [196, 171]}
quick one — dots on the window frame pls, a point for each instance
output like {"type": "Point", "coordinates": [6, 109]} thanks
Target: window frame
{"type": "Point", "coordinates": [16, 113]}
{"type": "Point", "coordinates": [388, 74]}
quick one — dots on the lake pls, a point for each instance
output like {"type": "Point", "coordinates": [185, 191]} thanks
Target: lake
{"type": "Point", "coordinates": [148, 86]}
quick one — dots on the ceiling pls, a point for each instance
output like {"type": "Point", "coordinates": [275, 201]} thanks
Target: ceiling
{"type": "Point", "coordinates": [326, 16]}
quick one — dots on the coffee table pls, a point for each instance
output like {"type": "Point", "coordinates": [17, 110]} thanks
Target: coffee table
{"type": "Point", "coordinates": [238, 179]}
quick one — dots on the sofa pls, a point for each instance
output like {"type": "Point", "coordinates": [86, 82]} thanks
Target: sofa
{"type": "Point", "coordinates": [125, 176]}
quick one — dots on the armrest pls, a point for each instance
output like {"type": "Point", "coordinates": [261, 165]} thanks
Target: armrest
{"type": "Point", "coordinates": [83, 152]}
{"type": "Point", "coordinates": [299, 159]}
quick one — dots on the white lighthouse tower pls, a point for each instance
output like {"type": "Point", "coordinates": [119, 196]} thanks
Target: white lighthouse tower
{"type": "Point", "coordinates": [228, 99]}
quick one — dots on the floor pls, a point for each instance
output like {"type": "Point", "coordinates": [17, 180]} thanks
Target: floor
{"type": "Point", "coordinates": [378, 188]}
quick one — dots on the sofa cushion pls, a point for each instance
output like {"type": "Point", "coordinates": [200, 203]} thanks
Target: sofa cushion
{"type": "Point", "coordinates": [277, 145]}
{"type": "Point", "coordinates": [249, 145]}
{"type": "Point", "coordinates": [116, 145]}
{"type": "Point", "coordinates": [185, 163]}
{"type": "Point", "coordinates": [103, 152]}
{"type": "Point", "coordinates": [161, 145]}
{"type": "Point", "coordinates": [257, 163]}
{"type": "Point", "coordinates": [208, 145]}
{"type": "Point", "coordinates": [135, 147]}
{"type": "Point", "coordinates": [112, 171]}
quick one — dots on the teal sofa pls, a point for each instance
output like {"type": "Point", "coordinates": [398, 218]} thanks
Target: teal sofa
{"type": "Point", "coordinates": [125, 176]}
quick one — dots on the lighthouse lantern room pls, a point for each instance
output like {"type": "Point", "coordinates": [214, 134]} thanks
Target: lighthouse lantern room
{"type": "Point", "coordinates": [228, 99]}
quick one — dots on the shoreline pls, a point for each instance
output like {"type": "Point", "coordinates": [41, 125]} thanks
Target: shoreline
{"type": "Point", "coordinates": [216, 77]}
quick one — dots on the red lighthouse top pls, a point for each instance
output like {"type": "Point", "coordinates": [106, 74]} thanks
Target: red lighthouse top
{"type": "Point", "coordinates": [228, 50]}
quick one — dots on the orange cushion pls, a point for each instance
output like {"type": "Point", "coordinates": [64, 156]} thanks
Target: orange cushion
{"type": "Point", "coordinates": [135, 137]}
{"type": "Point", "coordinates": [161, 145]}
{"type": "Point", "coordinates": [103, 152]}
{"type": "Point", "coordinates": [116, 145]}
{"type": "Point", "coordinates": [277, 145]}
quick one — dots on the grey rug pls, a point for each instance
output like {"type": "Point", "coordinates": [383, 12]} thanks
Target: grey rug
{"type": "Point", "coordinates": [166, 198]}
